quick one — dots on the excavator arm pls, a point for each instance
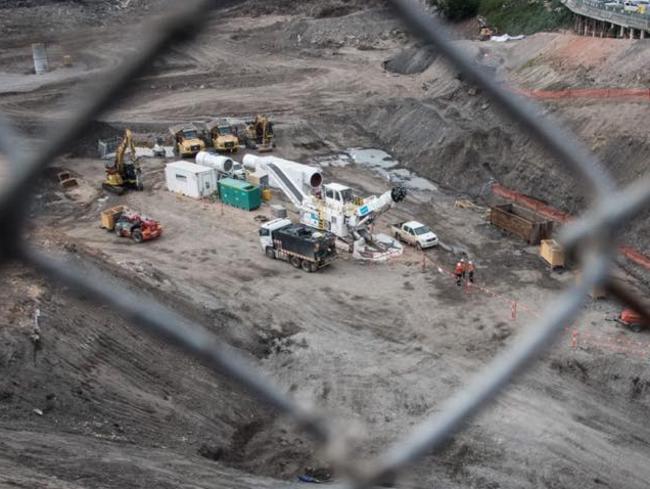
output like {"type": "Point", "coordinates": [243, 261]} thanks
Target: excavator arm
{"type": "Point", "coordinates": [126, 143]}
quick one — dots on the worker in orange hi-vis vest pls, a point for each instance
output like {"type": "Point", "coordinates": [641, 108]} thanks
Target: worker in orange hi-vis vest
{"type": "Point", "coordinates": [470, 271]}
{"type": "Point", "coordinates": [459, 272]}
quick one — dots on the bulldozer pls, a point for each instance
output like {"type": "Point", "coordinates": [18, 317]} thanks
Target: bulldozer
{"type": "Point", "coordinates": [187, 141]}
{"type": "Point", "coordinates": [222, 136]}
{"type": "Point", "coordinates": [259, 134]}
{"type": "Point", "coordinates": [122, 174]}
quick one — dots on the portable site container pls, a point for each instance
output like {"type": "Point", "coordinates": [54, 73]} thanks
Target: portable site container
{"type": "Point", "coordinates": [240, 194]}
{"type": "Point", "coordinates": [190, 179]}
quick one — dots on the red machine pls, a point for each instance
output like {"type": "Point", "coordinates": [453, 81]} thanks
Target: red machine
{"type": "Point", "coordinates": [130, 224]}
{"type": "Point", "coordinates": [632, 319]}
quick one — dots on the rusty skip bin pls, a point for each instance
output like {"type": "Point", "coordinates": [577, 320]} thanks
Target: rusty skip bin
{"type": "Point", "coordinates": [521, 222]}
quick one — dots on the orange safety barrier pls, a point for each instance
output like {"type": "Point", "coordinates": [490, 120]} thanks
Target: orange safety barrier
{"type": "Point", "coordinates": [635, 255]}
{"type": "Point", "coordinates": [593, 93]}
{"type": "Point", "coordinates": [536, 205]}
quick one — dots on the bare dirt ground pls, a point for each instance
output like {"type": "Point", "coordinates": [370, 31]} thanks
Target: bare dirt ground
{"type": "Point", "coordinates": [376, 346]}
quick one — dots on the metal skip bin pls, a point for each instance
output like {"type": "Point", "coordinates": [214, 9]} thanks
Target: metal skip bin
{"type": "Point", "coordinates": [240, 194]}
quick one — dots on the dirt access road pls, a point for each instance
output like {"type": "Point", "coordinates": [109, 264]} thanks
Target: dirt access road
{"type": "Point", "coordinates": [377, 346]}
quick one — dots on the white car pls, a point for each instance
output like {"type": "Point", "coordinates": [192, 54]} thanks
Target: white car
{"type": "Point", "coordinates": [416, 234]}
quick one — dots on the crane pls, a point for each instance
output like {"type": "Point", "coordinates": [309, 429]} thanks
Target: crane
{"type": "Point", "coordinates": [122, 174]}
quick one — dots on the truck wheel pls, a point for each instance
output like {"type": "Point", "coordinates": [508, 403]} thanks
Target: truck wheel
{"type": "Point", "coordinates": [270, 252]}
{"type": "Point", "coordinates": [314, 267]}
{"type": "Point", "coordinates": [306, 266]}
{"type": "Point", "coordinates": [636, 327]}
{"type": "Point", "coordinates": [397, 237]}
{"type": "Point", "coordinates": [295, 261]}
{"type": "Point", "coordinates": [136, 235]}
{"type": "Point", "coordinates": [418, 246]}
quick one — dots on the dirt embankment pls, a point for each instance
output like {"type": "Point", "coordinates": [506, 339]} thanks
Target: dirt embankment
{"type": "Point", "coordinates": [458, 138]}
{"type": "Point", "coordinates": [92, 375]}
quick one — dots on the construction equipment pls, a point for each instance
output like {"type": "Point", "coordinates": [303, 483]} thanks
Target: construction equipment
{"type": "Point", "coordinates": [258, 134]}
{"type": "Point", "coordinates": [240, 194]}
{"type": "Point", "coordinates": [130, 224]}
{"type": "Point", "coordinates": [334, 207]}
{"type": "Point", "coordinates": [485, 31]}
{"type": "Point", "coordinates": [186, 140]}
{"type": "Point", "coordinates": [222, 136]}
{"type": "Point", "coordinates": [632, 319]}
{"type": "Point", "coordinates": [298, 244]}
{"type": "Point", "coordinates": [224, 166]}
{"type": "Point", "coordinates": [124, 174]}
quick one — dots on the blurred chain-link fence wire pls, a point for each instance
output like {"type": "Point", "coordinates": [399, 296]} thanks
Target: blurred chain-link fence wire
{"type": "Point", "coordinates": [590, 238]}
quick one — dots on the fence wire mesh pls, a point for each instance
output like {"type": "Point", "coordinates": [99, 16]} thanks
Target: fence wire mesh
{"type": "Point", "coordinates": [590, 238]}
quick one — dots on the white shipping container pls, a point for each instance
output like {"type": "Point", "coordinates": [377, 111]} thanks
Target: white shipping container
{"type": "Point", "coordinates": [190, 179]}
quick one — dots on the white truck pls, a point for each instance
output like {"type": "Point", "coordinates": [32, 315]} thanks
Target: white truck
{"type": "Point", "coordinates": [415, 233]}
{"type": "Point", "coordinates": [302, 246]}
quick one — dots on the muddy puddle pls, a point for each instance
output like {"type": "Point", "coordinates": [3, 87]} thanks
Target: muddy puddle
{"type": "Point", "coordinates": [381, 163]}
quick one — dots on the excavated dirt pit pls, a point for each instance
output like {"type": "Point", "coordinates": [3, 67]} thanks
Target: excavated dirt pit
{"type": "Point", "coordinates": [378, 347]}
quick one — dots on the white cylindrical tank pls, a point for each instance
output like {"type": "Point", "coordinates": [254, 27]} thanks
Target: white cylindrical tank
{"type": "Point", "coordinates": [299, 173]}
{"type": "Point", "coordinates": [40, 58]}
{"type": "Point", "coordinates": [211, 160]}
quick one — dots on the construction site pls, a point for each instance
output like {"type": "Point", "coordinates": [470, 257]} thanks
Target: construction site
{"type": "Point", "coordinates": [338, 206]}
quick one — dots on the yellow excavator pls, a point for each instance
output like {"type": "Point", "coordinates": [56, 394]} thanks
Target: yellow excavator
{"type": "Point", "coordinates": [123, 174]}
{"type": "Point", "coordinates": [259, 134]}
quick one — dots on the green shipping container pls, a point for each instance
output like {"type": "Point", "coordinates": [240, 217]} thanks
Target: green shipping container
{"type": "Point", "coordinates": [240, 194]}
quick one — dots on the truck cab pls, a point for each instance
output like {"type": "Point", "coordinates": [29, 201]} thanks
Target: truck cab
{"type": "Point", "coordinates": [187, 142]}
{"type": "Point", "coordinates": [337, 196]}
{"type": "Point", "coordinates": [266, 239]}
{"type": "Point", "coordinates": [415, 233]}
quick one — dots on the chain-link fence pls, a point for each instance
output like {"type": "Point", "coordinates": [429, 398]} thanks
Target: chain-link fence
{"type": "Point", "coordinates": [590, 239]}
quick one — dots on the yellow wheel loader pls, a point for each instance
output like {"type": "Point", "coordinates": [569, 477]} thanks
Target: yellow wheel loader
{"type": "Point", "coordinates": [187, 141]}
{"type": "Point", "coordinates": [124, 174]}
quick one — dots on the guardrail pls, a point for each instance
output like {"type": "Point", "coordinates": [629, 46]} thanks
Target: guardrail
{"type": "Point", "coordinates": [597, 10]}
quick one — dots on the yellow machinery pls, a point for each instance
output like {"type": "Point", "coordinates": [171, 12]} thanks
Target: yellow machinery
{"type": "Point", "coordinates": [222, 136]}
{"type": "Point", "coordinates": [485, 31]}
{"type": "Point", "coordinates": [123, 174]}
{"type": "Point", "coordinates": [186, 140]}
{"type": "Point", "coordinates": [259, 134]}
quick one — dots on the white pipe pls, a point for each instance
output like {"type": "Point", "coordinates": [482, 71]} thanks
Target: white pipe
{"type": "Point", "coordinates": [218, 162]}
{"type": "Point", "coordinates": [299, 173]}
